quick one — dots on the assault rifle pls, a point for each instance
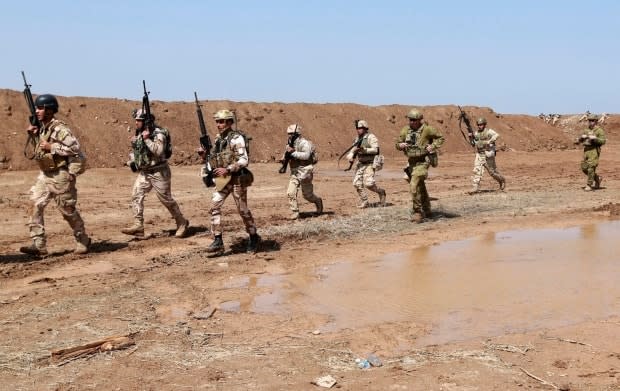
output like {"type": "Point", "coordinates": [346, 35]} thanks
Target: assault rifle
{"type": "Point", "coordinates": [470, 131]}
{"type": "Point", "coordinates": [356, 144]}
{"type": "Point", "coordinates": [34, 121]}
{"type": "Point", "coordinates": [288, 155]}
{"type": "Point", "coordinates": [205, 143]}
{"type": "Point", "coordinates": [146, 106]}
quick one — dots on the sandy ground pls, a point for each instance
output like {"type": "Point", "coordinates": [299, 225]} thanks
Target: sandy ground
{"type": "Point", "coordinates": [156, 290]}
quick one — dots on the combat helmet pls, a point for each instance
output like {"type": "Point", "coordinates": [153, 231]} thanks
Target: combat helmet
{"type": "Point", "coordinates": [47, 101]}
{"type": "Point", "coordinates": [481, 121]}
{"type": "Point", "coordinates": [592, 117]}
{"type": "Point", "coordinates": [224, 114]}
{"type": "Point", "coordinates": [140, 115]}
{"type": "Point", "coordinates": [362, 124]}
{"type": "Point", "coordinates": [414, 114]}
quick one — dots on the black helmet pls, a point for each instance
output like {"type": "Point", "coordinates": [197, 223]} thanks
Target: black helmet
{"type": "Point", "coordinates": [47, 101]}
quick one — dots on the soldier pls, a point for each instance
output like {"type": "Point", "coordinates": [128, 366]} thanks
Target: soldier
{"type": "Point", "coordinates": [419, 142]}
{"type": "Point", "coordinates": [150, 160]}
{"type": "Point", "coordinates": [584, 117]}
{"type": "Point", "coordinates": [302, 161]}
{"type": "Point", "coordinates": [365, 169]}
{"type": "Point", "coordinates": [229, 162]}
{"type": "Point", "coordinates": [592, 138]}
{"type": "Point", "coordinates": [603, 119]}
{"type": "Point", "coordinates": [61, 161]}
{"type": "Point", "coordinates": [484, 142]}
{"type": "Point", "coordinates": [555, 119]}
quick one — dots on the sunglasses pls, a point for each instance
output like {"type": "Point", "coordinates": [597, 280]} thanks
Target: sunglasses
{"type": "Point", "coordinates": [220, 121]}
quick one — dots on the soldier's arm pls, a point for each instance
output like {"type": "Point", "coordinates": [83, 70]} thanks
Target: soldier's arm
{"type": "Point", "coordinates": [156, 145]}
{"type": "Point", "coordinates": [600, 137]}
{"type": "Point", "coordinates": [237, 143]}
{"type": "Point", "coordinates": [494, 136]}
{"type": "Point", "coordinates": [374, 145]}
{"type": "Point", "coordinates": [64, 143]}
{"type": "Point", "coordinates": [303, 150]}
{"type": "Point", "coordinates": [437, 138]}
{"type": "Point", "coordinates": [401, 138]}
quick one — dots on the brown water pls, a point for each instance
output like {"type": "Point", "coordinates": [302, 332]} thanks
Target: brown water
{"type": "Point", "coordinates": [505, 282]}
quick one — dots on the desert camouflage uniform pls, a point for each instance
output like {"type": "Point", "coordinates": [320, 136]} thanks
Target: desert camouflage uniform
{"type": "Point", "coordinates": [302, 173]}
{"type": "Point", "coordinates": [485, 157]}
{"type": "Point", "coordinates": [56, 181]}
{"type": "Point", "coordinates": [591, 155]}
{"type": "Point", "coordinates": [364, 177]}
{"type": "Point", "coordinates": [418, 163]}
{"type": "Point", "coordinates": [230, 152]}
{"type": "Point", "coordinates": [154, 174]}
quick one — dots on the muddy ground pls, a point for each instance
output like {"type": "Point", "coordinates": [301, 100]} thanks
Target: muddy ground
{"type": "Point", "coordinates": [156, 290]}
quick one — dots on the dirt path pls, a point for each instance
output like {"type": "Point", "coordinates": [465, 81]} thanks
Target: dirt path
{"type": "Point", "coordinates": [154, 289]}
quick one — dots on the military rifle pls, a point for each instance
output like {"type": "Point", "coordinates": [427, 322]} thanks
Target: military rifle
{"type": "Point", "coordinates": [146, 106]}
{"type": "Point", "coordinates": [34, 121]}
{"type": "Point", "coordinates": [205, 143]}
{"type": "Point", "coordinates": [356, 144]}
{"type": "Point", "coordinates": [470, 131]}
{"type": "Point", "coordinates": [289, 155]}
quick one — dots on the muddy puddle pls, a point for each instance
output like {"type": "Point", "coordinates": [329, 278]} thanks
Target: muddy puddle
{"type": "Point", "coordinates": [505, 282]}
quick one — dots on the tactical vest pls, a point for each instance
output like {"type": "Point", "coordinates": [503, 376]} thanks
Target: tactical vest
{"type": "Point", "coordinates": [483, 136]}
{"type": "Point", "coordinates": [414, 150]}
{"type": "Point", "coordinates": [313, 159]}
{"type": "Point", "coordinates": [47, 161]}
{"type": "Point", "coordinates": [143, 157]}
{"type": "Point", "coordinates": [362, 157]}
{"type": "Point", "coordinates": [223, 155]}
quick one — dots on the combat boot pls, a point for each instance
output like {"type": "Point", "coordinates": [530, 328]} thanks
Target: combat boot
{"type": "Point", "coordinates": [293, 216]}
{"type": "Point", "coordinates": [597, 181]}
{"type": "Point", "coordinates": [217, 245]}
{"type": "Point", "coordinates": [137, 229]}
{"type": "Point", "coordinates": [33, 249]}
{"type": "Point", "coordinates": [82, 243]}
{"type": "Point", "coordinates": [502, 184]}
{"type": "Point", "coordinates": [475, 189]}
{"type": "Point", "coordinates": [363, 205]}
{"type": "Point", "coordinates": [382, 197]}
{"type": "Point", "coordinates": [417, 217]}
{"type": "Point", "coordinates": [253, 243]}
{"type": "Point", "coordinates": [182, 229]}
{"type": "Point", "coordinates": [319, 206]}
{"type": "Point", "coordinates": [587, 188]}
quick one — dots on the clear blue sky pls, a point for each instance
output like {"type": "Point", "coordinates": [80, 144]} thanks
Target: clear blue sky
{"type": "Point", "coordinates": [515, 56]}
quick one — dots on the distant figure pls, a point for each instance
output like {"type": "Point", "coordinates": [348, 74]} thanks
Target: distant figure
{"type": "Point", "coordinates": [592, 139]}
{"type": "Point", "coordinates": [548, 118]}
{"type": "Point", "coordinates": [368, 162]}
{"type": "Point", "coordinates": [484, 139]}
{"type": "Point", "coordinates": [603, 118]}
{"type": "Point", "coordinates": [541, 116]}
{"type": "Point", "coordinates": [555, 119]}
{"type": "Point", "coordinates": [584, 117]}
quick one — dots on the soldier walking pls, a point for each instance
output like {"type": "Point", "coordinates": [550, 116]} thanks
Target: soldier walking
{"type": "Point", "coordinates": [229, 161]}
{"type": "Point", "coordinates": [150, 153]}
{"type": "Point", "coordinates": [364, 177]}
{"type": "Point", "coordinates": [484, 142]}
{"type": "Point", "coordinates": [302, 160]}
{"type": "Point", "coordinates": [57, 151]}
{"type": "Point", "coordinates": [419, 142]}
{"type": "Point", "coordinates": [593, 138]}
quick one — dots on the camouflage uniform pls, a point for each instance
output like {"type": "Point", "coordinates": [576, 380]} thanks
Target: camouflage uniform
{"type": "Point", "coordinates": [302, 173]}
{"type": "Point", "coordinates": [153, 174]}
{"type": "Point", "coordinates": [56, 181]}
{"type": "Point", "coordinates": [230, 152]}
{"type": "Point", "coordinates": [419, 159]}
{"type": "Point", "coordinates": [592, 138]}
{"type": "Point", "coordinates": [364, 177]}
{"type": "Point", "coordinates": [485, 157]}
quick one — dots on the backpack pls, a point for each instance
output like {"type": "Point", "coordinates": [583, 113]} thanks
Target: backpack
{"type": "Point", "coordinates": [314, 157]}
{"type": "Point", "coordinates": [168, 143]}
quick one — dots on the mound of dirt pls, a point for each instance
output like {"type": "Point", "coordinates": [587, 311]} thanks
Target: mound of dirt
{"type": "Point", "coordinates": [104, 127]}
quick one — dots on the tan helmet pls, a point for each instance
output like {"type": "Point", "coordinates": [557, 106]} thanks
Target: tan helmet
{"type": "Point", "coordinates": [140, 115]}
{"type": "Point", "coordinates": [481, 121]}
{"type": "Point", "coordinates": [294, 128]}
{"type": "Point", "coordinates": [593, 117]}
{"type": "Point", "coordinates": [362, 124]}
{"type": "Point", "coordinates": [414, 114]}
{"type": "Point", "coordinates": [224, 114]}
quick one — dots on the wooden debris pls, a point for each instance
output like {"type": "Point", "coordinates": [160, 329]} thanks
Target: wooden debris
{"type": "Point", "coordinates": [542, 381]}
{"type": "Point", "coordinates": [508, 348]}
{"type": "Point", "coordinates": [569, 341]}
{"type": "Point", "coordinates": [63, 356]}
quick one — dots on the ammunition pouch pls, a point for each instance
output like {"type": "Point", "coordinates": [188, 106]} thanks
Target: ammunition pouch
{"type": "Point", "coordinates": [432, 159]}
{"type": "Point", "coordinates": [50, 162]}
{"type": "Point", "coordinates": [244, 177]}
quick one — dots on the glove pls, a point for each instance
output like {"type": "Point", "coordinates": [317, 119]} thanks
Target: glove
{"type": "Point", "coordinates": [592, 137]}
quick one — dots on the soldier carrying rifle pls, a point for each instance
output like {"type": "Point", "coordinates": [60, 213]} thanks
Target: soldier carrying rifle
{"type": "Point", "coordinates": [593, 138]}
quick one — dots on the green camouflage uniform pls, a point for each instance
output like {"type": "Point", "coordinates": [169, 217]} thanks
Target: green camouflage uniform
{"type": "Point", "coordinates": [419, 160]}
{"type": "Point", "coordinates": [592, 152]}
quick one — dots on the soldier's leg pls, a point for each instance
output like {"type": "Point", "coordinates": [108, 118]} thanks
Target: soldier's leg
{"type": "Point", "coordinates": [162, 183]}
{"type": "Point", "coordinates": [141, 187]}
{"type": "Point", "coordinates": [240, 195]}
{"type": "Point", "coordinates": [66, 202]}
{"type": "Point", "coordinates": [307, 189]}
{"type": "Point", "coordinates": [491, 167]}
{"type": "Point", "coordinates": [40, 196]}
{"type": "Point", "coordinates": [291, 193]}
{"type": "Point", "coordinates": [216, 208]}
{"type": "Point", "coordinates": [358, 184]}
{"type": "Point", "coordinates": [478, 171]}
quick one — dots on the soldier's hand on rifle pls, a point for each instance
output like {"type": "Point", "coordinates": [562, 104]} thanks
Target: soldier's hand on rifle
{"type": "Point", "coordinates": [220, 171]}
{"type": "Point", "coordinates": [430, 148]}
{"type": "Point", "coordinates": [146, 133]}
{"type": "Point", "coordinates": [592, 137]}
{"type": "Point", "coordinates": [45, 146]}
{"type": "Point", "coordinates": [201, 152]}
{"type": "Point", "coordinates": [402, 146]}
{"type": "Point", "coordinates": [32, 129]}
{"type": "Point", "coordinates": [290, 149]}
